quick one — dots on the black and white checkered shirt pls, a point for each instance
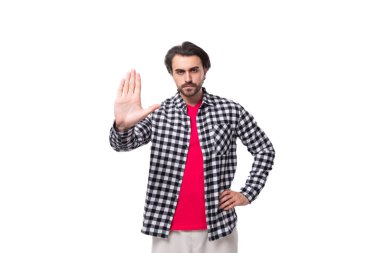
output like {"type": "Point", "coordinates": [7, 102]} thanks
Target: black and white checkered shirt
{"type": "Point", "coordinates": [220, 122]}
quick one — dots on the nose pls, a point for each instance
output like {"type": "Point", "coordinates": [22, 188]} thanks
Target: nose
{"type": "Point", "coordinates": [188, 78]}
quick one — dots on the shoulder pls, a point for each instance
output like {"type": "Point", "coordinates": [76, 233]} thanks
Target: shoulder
{"type": "Point", "coordinates": [224, 103]}
{"type": "Point", "coordinates": [227, 108]}
{"type": "Point", "coordinates": [166, 106]}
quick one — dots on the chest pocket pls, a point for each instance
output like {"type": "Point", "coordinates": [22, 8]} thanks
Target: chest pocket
{"type": "Point", "coordinates": [222, 139]}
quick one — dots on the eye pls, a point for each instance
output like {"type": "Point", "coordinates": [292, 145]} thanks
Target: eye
{"type": "Point", "coordinates": [180, 72]}
{"type": "Point", "coordinates": [194, 70]}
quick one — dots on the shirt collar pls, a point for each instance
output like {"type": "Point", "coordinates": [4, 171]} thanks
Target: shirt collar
{"type": "Point", "coordinates": [207, 100]}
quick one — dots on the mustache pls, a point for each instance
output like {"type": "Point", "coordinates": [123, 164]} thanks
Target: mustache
{"type": "Point", "coordinates": [188, 84]}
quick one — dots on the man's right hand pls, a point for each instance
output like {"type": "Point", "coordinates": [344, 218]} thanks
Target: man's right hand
{"type": "Point", "coordinates": [128, 110]}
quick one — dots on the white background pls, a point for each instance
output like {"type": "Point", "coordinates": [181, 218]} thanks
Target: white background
{"type": "Point", "coordinates": [307, 71]}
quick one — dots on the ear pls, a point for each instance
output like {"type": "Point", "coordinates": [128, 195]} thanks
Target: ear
{"type": "Point", "coordinates": [204, 78]}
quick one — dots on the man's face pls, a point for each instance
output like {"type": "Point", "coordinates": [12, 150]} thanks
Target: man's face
{"type": "Point", "coordinates": [188, 74]}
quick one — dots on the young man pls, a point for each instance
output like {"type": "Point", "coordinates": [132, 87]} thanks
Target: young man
{"type": "Point", "coordinates": [189, 205]}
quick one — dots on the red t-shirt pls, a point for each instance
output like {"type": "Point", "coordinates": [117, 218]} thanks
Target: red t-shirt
{"type": "Point", "coordinates": [190, 212]}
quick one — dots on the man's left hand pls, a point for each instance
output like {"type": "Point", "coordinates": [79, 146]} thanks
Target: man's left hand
{"type": "Point", "coordinates": [229, 199]}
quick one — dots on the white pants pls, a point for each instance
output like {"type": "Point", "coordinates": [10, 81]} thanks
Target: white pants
{"type": "Point", "coordinates": [195, 241]}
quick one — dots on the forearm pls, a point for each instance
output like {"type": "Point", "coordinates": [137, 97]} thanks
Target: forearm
{"type": "Point", "coordinates": [261, 148]}
{"type": "Point", "coordinates": [121, 140]}
{"type": "Point", "coordinates": [129, 139]}
{"type": "Point", "coordinates": [262, 165]}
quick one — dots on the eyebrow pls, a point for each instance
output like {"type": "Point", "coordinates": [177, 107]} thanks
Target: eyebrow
{"type": "Point", "coordinates": [192, 68]}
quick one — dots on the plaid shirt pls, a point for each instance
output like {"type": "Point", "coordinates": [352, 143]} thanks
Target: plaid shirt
{"type": "Point", "coordinates": [220, 122]}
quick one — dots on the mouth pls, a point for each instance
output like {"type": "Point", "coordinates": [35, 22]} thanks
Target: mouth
{"type": "Point", "coordinates": [188, 86]}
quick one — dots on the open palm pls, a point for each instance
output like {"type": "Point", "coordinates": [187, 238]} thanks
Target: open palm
{"type": "Point", "coordinates": [128, 109]}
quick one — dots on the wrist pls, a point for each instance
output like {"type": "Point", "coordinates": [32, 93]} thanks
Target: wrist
{"type": "Point", "coordinates": [120, 127]}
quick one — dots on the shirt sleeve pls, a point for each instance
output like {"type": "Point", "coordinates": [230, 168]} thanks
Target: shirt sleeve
{"type": "Point", "coordinates": [133, 138]}
{"type": "Point", "coordinates": [262, 150]}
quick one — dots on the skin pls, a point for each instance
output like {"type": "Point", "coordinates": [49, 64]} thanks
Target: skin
{"type": "Point", "coordinates": [229, 199]}
{"type": "Point", "coordinates": [127, 108]}
{"type": "Point", "coordinates": [188, 75]}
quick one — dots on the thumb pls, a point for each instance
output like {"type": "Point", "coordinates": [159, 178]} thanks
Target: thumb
{"type": "Point", "coordinates": [151, 108]}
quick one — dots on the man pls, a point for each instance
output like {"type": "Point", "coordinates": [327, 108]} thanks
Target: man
{"type": "Point", "coordinates": [189, 205]}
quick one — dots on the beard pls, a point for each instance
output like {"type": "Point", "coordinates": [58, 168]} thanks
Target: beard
{"type": "Point", "coordinates": [190, 89]}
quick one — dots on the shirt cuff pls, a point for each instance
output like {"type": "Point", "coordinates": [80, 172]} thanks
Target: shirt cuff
{"type": "Point", "coordinates": [122, 134]}
{"type": "Point", "coordinates": [246, 191]}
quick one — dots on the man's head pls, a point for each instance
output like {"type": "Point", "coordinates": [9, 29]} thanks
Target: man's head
{"type": "Point", "coordinates": [187, 49]}
{"type": "Point", "coordinates": [188, 64]}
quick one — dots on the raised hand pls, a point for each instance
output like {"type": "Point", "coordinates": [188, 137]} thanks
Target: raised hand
{"type": "Point", "coordinates": [128, 110]}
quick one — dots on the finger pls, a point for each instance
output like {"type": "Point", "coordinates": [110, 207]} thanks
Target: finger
{"type": "Point", "coordinates": [232, 205]}
{"type": "Point", "coordinates": [132, 83]}
{"type": "Point", "coordinates": [151, 108]}
{"type": "Point", "coordinates": [224, 193]}
{"type": "Point", "coordinates": [138, 85]}
{"type": "Point", "coordinates": [226, 204]}
{"type": "Point", "coordinates": [126, 83]}
{"type": "Point", "coordinates": [224, 199]}
{"type": "Point", "coordinates": [120, 88]}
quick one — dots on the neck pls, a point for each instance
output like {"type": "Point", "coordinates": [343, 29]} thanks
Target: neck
{"type": "Point", "coordinates": [193, 100]}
